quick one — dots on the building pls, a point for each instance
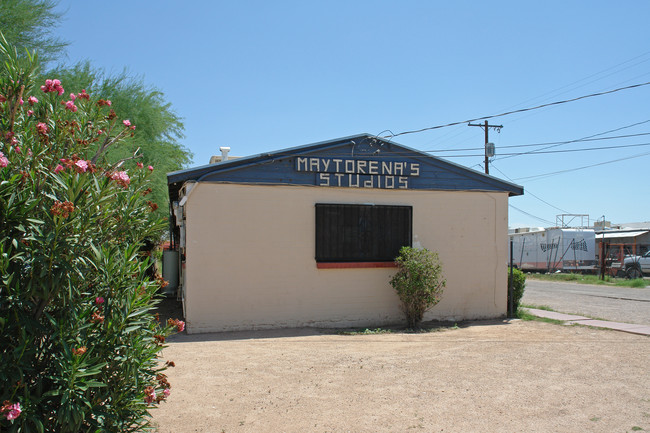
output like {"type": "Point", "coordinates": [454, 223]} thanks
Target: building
{"type": "Point", "coordinates": [307, 236]}
{"type": "Point", "coordinates": [627, 239]}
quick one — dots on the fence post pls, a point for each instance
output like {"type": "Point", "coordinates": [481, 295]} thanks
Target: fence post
{"type": "Point", "coordinates": [511, 313]}
{"type": "Point", "coordinates": [602, 259]}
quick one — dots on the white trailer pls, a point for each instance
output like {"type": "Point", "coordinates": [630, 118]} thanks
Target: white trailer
{"type": "Point", "coordinates": [555, 249]}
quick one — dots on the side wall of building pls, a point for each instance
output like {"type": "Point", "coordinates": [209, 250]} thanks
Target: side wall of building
{"type": "Point", "coordinates": [250, 258]}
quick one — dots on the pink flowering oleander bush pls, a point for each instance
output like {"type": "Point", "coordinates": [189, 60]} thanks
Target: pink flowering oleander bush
{"type": "Point", "coordinates": [79, 345]}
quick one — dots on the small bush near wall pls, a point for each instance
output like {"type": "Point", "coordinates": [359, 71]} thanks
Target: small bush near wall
{"type": "Point", "coordinates": [419, 282]}
{"type": "Point", "coordinates": [519, 284]}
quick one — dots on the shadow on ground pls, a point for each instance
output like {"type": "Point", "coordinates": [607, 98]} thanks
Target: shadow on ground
{"type": "Point", "coordinates": [169, 307]}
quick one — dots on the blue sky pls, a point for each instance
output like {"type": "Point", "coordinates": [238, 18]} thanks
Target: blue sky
{"type": "Point", "coordinates": [261, 76]}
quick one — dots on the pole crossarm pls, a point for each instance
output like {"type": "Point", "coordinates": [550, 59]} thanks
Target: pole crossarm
{"type": "Point", "coordinates": [497, 127]}
{"type": "Point", "coordinates": [486, 127]}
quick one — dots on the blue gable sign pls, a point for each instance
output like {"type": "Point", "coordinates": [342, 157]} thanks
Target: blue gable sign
{"type": "Point", "coordinates": [361, 161]}
{"type": "Point", "coordinates": [359, 172]}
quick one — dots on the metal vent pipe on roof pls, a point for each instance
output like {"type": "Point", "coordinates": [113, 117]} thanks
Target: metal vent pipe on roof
{"type": "Point", "coordinates": [224, 153]}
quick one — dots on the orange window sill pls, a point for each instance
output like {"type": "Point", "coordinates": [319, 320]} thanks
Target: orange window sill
{"type": "Point", "coordinates": [354, 265]}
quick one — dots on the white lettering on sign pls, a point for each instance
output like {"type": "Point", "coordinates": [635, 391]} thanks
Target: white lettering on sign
{"type": "Point", "coordinates": [362, 181]}
{"type": "Point", "coordinates": [301, 164]}
{"type": "Point", "coordinates": [359, 173]}
{"type": "Point", "coordinates": [324, 179]}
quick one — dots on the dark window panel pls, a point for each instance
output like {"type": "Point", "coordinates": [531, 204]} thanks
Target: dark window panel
{"type": "Point", "coordinates": [359, 233]}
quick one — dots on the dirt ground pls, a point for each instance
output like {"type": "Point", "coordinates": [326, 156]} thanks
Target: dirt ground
{"type": "Point", "coordinates": [487, 376]}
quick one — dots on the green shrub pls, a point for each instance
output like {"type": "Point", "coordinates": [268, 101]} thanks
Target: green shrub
{"type": "Point", "coordinates": [518, 286]}
{"type": "Point", "coordinates": [78, 343]}
{"type": "Point", "coordinates": [419, 282]}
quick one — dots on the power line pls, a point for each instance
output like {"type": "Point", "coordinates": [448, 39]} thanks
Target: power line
{"type": "Point", "coordinates": [550, 223]}
{"type": "Point", "coordinates": [520, 110]}
{"type": "Point", "coordinates": [540, 176]}
{"type": "Point", "coordinates": [541, 152]}
{"type": "Point", "coordinates": [570, 87]}
{"type": "Point", "coordinates": [489, 148]}
{"type": "Point", "coordinates": [589, 136]}
{"type": "Point", "coordinates": [616, 137]}
{"type": "Point", "coordinates": [529, 192]}
{"type": "Point", "coordinates": [534, 152]}
{"type": "Point", "coordinates": [549, 95]}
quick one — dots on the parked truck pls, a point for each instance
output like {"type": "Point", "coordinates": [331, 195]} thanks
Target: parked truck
{"type": "Point", "coordinates": [636, 266]}
{"type": "Point", "coordinates": [555, 249]}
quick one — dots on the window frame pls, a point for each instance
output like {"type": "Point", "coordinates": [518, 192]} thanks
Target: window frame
{"type": "Point", "coordinates": [381, 228]}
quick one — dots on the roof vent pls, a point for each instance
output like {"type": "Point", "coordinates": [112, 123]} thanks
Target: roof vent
{"type": "Point", "coordinates": [224, 153]}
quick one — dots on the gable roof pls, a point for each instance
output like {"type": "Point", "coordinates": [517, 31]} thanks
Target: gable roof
{"type": "Point", "coordinates": [334, 160]}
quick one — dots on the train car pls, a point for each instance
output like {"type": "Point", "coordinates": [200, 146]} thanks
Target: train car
{"type": "Point", "coordinates": [555, 249]}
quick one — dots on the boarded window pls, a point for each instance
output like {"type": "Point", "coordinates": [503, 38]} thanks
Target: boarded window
{"type": "Point", "coordinates": [361, 233]}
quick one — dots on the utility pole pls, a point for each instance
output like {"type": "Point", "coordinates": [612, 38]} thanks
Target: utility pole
{"type": "Point", "coordinates": [489, 150]}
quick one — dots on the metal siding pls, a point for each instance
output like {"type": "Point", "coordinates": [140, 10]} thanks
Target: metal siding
{"type": "Point", "coordinates": [278, 172]}
{"type": "Point", "coordinates": [280, 168]}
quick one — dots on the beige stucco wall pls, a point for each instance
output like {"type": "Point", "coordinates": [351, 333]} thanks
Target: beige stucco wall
{"type": "Point", "coordinates": [250, 258]}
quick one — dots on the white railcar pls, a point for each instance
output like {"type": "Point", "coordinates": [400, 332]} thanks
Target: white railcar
{"type": "Point", "coordinates": [555, 249]}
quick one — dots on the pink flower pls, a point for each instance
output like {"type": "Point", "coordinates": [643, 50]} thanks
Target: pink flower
{"type": "Point", "coordinates": [180, 325]}
{"type": "Point", "coordinates": [126, 122]}
{"type": "Point", "coordinates": [69, 105]}
{"type": "Point", "coordinates": [149, 394]}
{"type": "Point", "coordinates": [41, 128]}
{"type": "Point", "coordinates": [59, 168]}
{"type": "Point", "coordinates": [52, 86]}
{"type": "Point", "coordinates": [121, 178]}
{"type": "Point", "coordinates": [108, 102]}
{"type": "Point", "coordinates": [32, 100]}
{"type": "Point", "coordinates": [100, 132]}
{"type": "Point", "coordinates": [21, 102]}
{"type": "Point", "coordinates": [16, 149]}
{"type": "Point", "coordinates": [83, 95]}
{"type": "Point", "coordinates": [166, 391]}
{"type": "Point", "coordinates": [12, 411]}
{"type": "Point", "coordinates": [150, 168]}
{"type": "Point", "coordinates": [73, 96]}
{"type": "Point", "coordinates": [83, 165]}
{"type": "Point", "coordinates": [99, 300]}
{"type": "Point", "coordinates": [57, 87]}
{"type": "Point", "coordinates": [140, 165]}
{"type": "Point", "coordinates": [30, 112]}
{"type": "Point", "coordinates": [3, 160]}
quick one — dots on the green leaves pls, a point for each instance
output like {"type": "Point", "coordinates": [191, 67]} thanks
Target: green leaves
{"type": "Point", "coordinates": [418, 282]}
{"type": "Point", "coordinates": [518, 287]}
{"type": "Point", "coordinates": [27, 25]}
{"type": "Point", "coordinates": [78, 341]}
{"type": "Point", "coordinates": [158, 128]}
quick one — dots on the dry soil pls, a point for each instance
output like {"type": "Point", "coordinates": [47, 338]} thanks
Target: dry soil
{"type": "Point", "coordinates": [485, 377]}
